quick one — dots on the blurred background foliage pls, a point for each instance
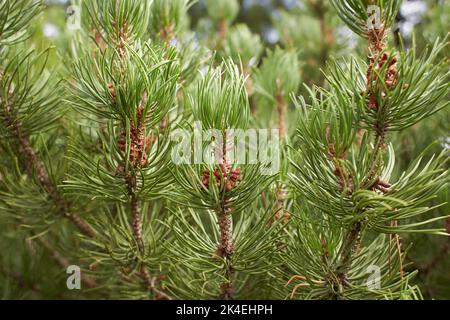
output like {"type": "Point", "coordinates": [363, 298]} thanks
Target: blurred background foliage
{"type": "Point", "coordinates": [311, 30]}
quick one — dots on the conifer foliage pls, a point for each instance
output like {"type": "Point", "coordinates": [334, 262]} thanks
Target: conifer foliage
{"type": "Point", "coordinates": [121, 161]}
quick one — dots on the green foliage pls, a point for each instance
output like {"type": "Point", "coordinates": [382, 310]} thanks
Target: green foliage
{"type": "Point", "coordinates": [301, 33]}
{"type": "Point", "coordinates": [221, 101]}
{"type": "Point", "coordinates": [191, 56]}
{"type": "Point", "coordinates": [243, 46]}
{"type": "Point", "coordinates": [89, 172]}
{"type": "Point", "coordinates": [420, 91]}
{"type": "Point", "coordinates": [95, 98]}
{"type": "Point", "coordinates": [119, 20]}
{"type": "Point", "coordinates": [279, 74]}
{"type": "Point", "coordinates": [318, 183]}
{"type": "Point", "coordinates": [315, 33]}
{"type": "Point", "coordinates": [14, 19]}
{"type": "Point", "coordinates": [168, 18]}
{"type": "Point", "coordinates": [193, 252]}
{"type": "Point", "coordinates": [219, 10]}
{"type": "Point", "coordinates": [316, 246]}
{"type": "Point", "coordinates": [357, 14]}
{"type": "Point", "coordinates": [26, 92]}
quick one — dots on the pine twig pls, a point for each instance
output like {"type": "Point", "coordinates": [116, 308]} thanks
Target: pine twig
{"type": "Point", "coordinates": [222, 31]}
{"type": "Point", "coordinates": [226, 250]}
{"type": "Point", "coordinates": [225, 247]}
{"type": "Point", "coordinates": [377, 44]}
{"type": "Point", "coordinates": [151, 283]}
{"type": "Point", "coordinates": [281, 108]}
{"type": "Point", "coordinates": [348, 247]}
{"type": "Point", "coordinates": [137, 223]}
{"type": "Point", "coordinates": [34, 165]}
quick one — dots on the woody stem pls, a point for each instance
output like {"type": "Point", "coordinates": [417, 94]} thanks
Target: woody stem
{"type": "Point", "coordinates": [226, 246]}
{"type": "Point", "coordinates": [226, 250]}
{"type": "Point", "coordinates": [35, 166]}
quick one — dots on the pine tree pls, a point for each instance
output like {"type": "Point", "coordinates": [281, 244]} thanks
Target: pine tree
{"type": "Point", "coordinates": [122, 161]}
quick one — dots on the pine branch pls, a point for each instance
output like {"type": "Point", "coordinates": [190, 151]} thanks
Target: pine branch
{"type": "Point", "coordinates": [15, 15]}
{"type": "Point", "coordinates": [226, 250]}
{"type": "Point", "coordinates": [213, 228]}
{"type": "Point", "coordinates": [349, 182]}
{"type": "Point", "coordinates": [377, 45]}
{"type": "Point", "coordinates": [168, 18]}
{"type": "Point", "coordinates": [349, 246]}
{"type": "Point", "coordinates": [226, 244]}
{"type": "Point", "coordinates": [138, 157]}
{"type": "Point", "coordinates": [132, 90]}
{"type": "Point", "coordinates": [281, 108]}
{"type": "Point", "coordinates": [35, 165]}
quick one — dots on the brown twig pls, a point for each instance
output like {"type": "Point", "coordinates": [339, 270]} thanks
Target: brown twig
{"type": "Point", "coordinates": [151, 283]}
{"type": "Point", "coordinates": [346, 251]}
{"type": "Point", "coordinates": [35, 167]}
{"type": "Point", "coordinates": [377, 44]}
{"type": "Point", "coordinates": [222, 29]}
{"type": "Point", "coordinates": [166, 34]}
{"type": "Point", "coordinates": [225, 248]}
{"type": "Point", "coordinates": [281, 108]}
